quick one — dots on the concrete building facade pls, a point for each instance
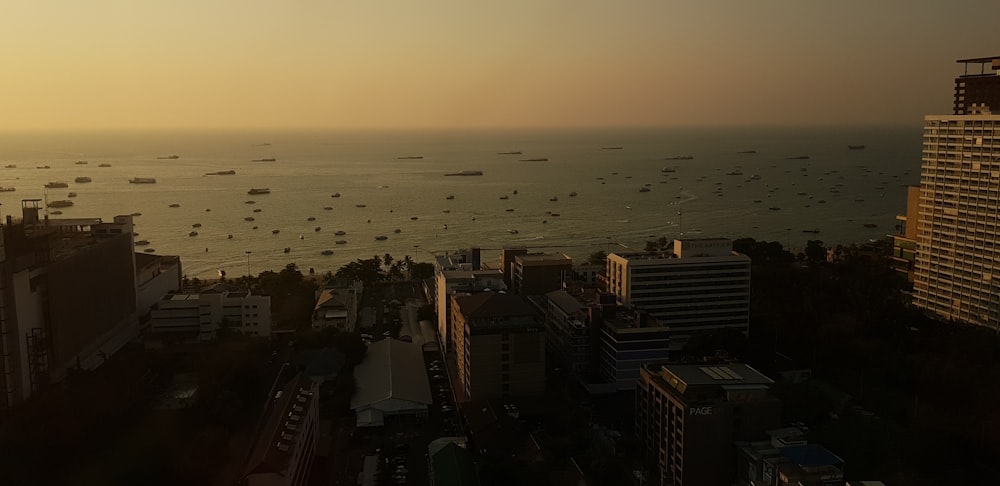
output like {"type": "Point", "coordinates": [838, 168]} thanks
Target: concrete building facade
{"type": "Point", "coordinates": [701, 286]}
{"type": "Point", "coordinates": [535, 274]}
{"type": "Point", "coordinates": [203, 314]}
{"type": "Point", "coordinates": [285, 449]}
{"type": "Point", "coordinates": [499, 346]}
{"type": "Point", "coordinates": [688, 417]}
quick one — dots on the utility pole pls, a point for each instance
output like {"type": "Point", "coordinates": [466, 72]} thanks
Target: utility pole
{"type": "Point", "coordinates": [248, 252]}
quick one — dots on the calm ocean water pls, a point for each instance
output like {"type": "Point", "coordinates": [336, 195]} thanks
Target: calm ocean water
{"type": "Point", "coordinates": [836, 191]}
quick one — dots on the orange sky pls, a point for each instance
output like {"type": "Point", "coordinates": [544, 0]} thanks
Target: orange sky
{"type": "Point", "coordinates": [104, 64]}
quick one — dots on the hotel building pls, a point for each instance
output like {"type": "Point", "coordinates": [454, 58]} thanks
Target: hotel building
{"type": "Point", "coordinates": [286, 446]}
{"type": "Point", "coordinates": [689, 416]}
{"type": "Point", "coordinates": [957, 269]}
{"type": "Point", "coordinates": [701, 286]}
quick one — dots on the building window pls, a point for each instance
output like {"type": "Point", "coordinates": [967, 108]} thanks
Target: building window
{"type": "Point", "coordinates": [505, 367]}
{"type": "Point", "coordinates": [505, 347]}
{"type": "Point", "coordinates": [505, 357]}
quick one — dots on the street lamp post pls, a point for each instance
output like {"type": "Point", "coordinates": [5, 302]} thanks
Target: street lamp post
{"type": "Point", "coordinates": [248, 252]}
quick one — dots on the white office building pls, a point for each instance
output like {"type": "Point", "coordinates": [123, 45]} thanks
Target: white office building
{"type": "Point", "coordinates": [203, 314]}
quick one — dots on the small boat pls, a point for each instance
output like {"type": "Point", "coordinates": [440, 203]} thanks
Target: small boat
{"type": "Point", "coordinates": [644, 189]}
{"type": "Point", "coordinates": [257, 210]}
{"type": "Point", "coordinates": [328, 208]}
{"type": "Point", "coordinates": [72, 194]}
{"type": "Point", "coordinates": [813, 231]}
{"type": "Point", "coordinates": [142, 180]}
{"type": "Point", "coordinates": [572, 194]}
{"type": "Point", "coordinates": [553, 199]}
{"type": "Point", "coordinates": [258, 190]}
{"type": "Point", "coordinates": [538, 159]}
{"type": "Point", "coordinates": [336, 194]}
{"type": "Point", "coordinates": [43, 167]}
{"type": "Point", "coordinates": [509, 153]}
{"type": "Point", "coordinates": [6, 189]}
{"type": "Point", "coordinates": [870, 225]}
{"type": "Point", "coordinates": [855, 147]}
{"type": "Point", "coordinates": [446, 211]}
{"type": "Point", "coordinates": [612, 148]}
{"type": "Point", "coordinates": [466, 173]}
{"type": "Point", "coordinates": [82, 180]}
{"type": "Point", "coordinates": [513, 231]}
{"type": "Point", "coordinates": [169, 157]}
{"type": "Point", "coordinates": [229, 237]}
{"type": "Point", "coordinates": [255, 227]}
{"type": "Point", "coordinates": [149, 250]}
{"type": "Point", "coordinates": [774, 208]}
{"type": "Point", "coordinates": [104, 165]}
{"type": "Point", "coordinates": [747, 152]}
{"type": "Point", "coordinates": [410, 157]}
{"type": "Point", "coordinates": [196, 225]}
{"type": "Point", "coordinates": [222, 172]}
{"type": "Point", "coordinates": [60, 204]}
{"type": "Point", "coordinates": [268, 159]}
{"type": "Point", "coordinates": [340, 233]}
{"type": "Point", "coordinates": [316, 228]}
{"type": "Point", "coordinates": [56, 212]}
{"type": "Point", "coordinates": [397, 231]}
{"type": "Point", "coordinates": [10, 166]}
{"type": "Point", "coordinates": [193, 233]}
{"type": "Point", "coordinates": [449, 197]}
{"type": "Point", "coordinates": [287, 249]}
{"type": "Point", "coordinates": [341, 242]}
{"type": "Point", "coordinates": [175, 205]}
{"type": "Point", "coordinates": [798, 157]}
{"type": "Point", "coordinates": [514, 192]}
{"type": "Point", "coordinates": [56, 185]}
{"type": "Point", "coordinates": [504, 197]}
{"type": "Point", "coordinates": [274, 232]}
{"type": "Point", "coordinates": [509, 210]}
{"type": "Point", "coordinates": [311, 218]}
{"type": "Point", "coordinates": [136, 214]}
{"type": "Point", "coordinates": [361, 205]}
{"type": "Point", "coordinates": [250, 201]}
{"type": "Point", "coordinates": [680, 157]}
{"type": "Point", "coordinates": [413, 218]}
{"type": "Point", "coordinates": [381, 238]}
{"type": "Point", "coordinates": [554, 215]}
{"type": "Point", "coordinates": [327, 252]}
{"type": "Point", "coordinates": [248, 218]}
{"type": "Point", "coordinates": [142, 243]}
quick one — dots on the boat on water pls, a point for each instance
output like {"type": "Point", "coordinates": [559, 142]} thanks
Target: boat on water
{"type": "Point", "coordinates": [258, 190]}
{"type": "Point", "coordinates": [410, 157]}
{"type": "Point", "coordinates": [449, 197]}
{"type": "Point", "coordinates": [747, 152]}
{"type": "Point", "coordinates": [311, 218]}
{"type": "Point", "coordinates": [257, 210]}
{"type": "Point", "coordinates": [82, 180]}
{"type": "Point", "coordinates": [316, 228]}
{"type": "Point", "coordinates": [341, 242]}
{"type": "Point", "coordinates": [515, 152]}
{"type": "Point", "coordinates": [513, 231]}
{"type": "Point", "coordinates": [504, 197]}
{"type": "Point", "coordinates": [413, 218]}
{"type": "Point", "coordinates": [104, 165]}
{"type": "Point", "coordinates": [855, 147]}
{"type": "Point", "coordinates": [553, 199]}
{"type": "Point", "coordinates": [287, 250]}
{"type": "Point", "coordinates": [10, 166]}
{"type": "Point", "coordinates": [644, 189]}
{"type": "Point", "coordinates": [249, 201]}
{"type": "Point", "coordinates": [328, 208]}
{"type": "Point", "coordinates": [72, 194]}
{"type": "Point", "coordinates": [466, 173]}
{"type": "Point", "coordinates": [193, 233]}
{"type": "Point", "coordinates": [149, 250]}
{"type": "Point", "coordinates": [56, 185]}
{"type": "Point", "coordinates": [142, 180]}
{"type": "Point", "coordinates": [397, 231]}
{"type": "Point", "coordinates": [680, 157]}
{"type": "Point", "coordinates": [870, 225]}
{"type": "Point", "coordinates": [248, 218]}
{"type": "Point", "coordinates": [274, 232]}
{"type": "Point", "coordinates": [43, 167]}
{"type": "Point", "coordinates": [336, 194]}
{"type": "Point", "coordinates": [326, 252]}
{"type": "Point", "coordinates": [667, 170]}
{"type": "Point", "coordinates": [572, 194]}
{"type": "Point", "coordinates": [229, 237]}
{"type": "Point", "coordinates": [509, 210]}
{"type": "Point", "coordinates": [774, 208]}
{"type": "Point", "coordinates": [142, 243]}
{"type": "Point", "coordinates": [136, 214]}
{"type": "Point", "coordinates": [340, 233]}
{"type": "Point", "coordinates": [64, 203]}
{"type": "Point", "coordinates": [536, 159]}
{"type": "Point", "coordinates": [798, 157]}
{"type": "Point", "coordinates": [612, 148]}
{"type": "Point", "coordinates": [222, 172]}
{"type": "Point", "coordinates": [268, 159]}
{"type": "Point", "coordinates": [381, 238]}
{"type": "Point", "coordinates": [813, 231]}
{"type": "Point", "coordinates": [81, 162]}
{"type": "Point", "coordinates": [6, 189]}
{"type": "Point", "coordinates": [361, 205]}
{"type": "Point", "coordinates": [175, 205]}
{"type": "Point", "coordinates": [196, 225]}
{"type": "Point", "coordinates": [169, 157]}
{"type": "Point", "coordinates": [56, 213]}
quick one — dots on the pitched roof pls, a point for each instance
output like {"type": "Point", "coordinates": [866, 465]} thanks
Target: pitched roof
{"type": "Point", "coordinates": [391, 370]}
{"type": "Point", "coordinates": [331, 298]}
{"type": "Point", "coordinates": [493, 304]}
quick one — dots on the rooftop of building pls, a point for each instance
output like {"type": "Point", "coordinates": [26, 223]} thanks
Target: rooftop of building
{"type": "Point", "coordinates": [544, 259]}
{"type": "Point", "coordinates": [144, 260]}
{"type": "Point", "coordinates": [454, 466]}
{"type": "Point", "coordinates": [284, 426]}
{"type": "Point", "coordinates": [492, 305]}
{"type": "Point", "coordinates": [391, 369]}
{"type": "Point", "coordinates": [333, 298]}
{"type": "Point", "coordinates": [470, 274]}
{"type": "Point", "coordinates": [565, 302]}
{"type": "Point", "coordinates": [681, 376]}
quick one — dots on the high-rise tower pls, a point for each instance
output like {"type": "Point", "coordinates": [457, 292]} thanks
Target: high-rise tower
{"type": "Point", "coordinates": [957, 269]}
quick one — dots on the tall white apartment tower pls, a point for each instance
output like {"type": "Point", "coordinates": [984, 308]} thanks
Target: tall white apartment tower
{"type": "Point", "coordinates": [701, 286]}
{"type": "Point", "coordinates": [957, 268]}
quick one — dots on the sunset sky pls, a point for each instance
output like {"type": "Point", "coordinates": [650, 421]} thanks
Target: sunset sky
{"type": "Point", "coordinates": [128, 64]}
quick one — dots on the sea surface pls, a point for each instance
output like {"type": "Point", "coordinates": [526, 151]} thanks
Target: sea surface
{"type": "Point", "coordinates": [717, 192]}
